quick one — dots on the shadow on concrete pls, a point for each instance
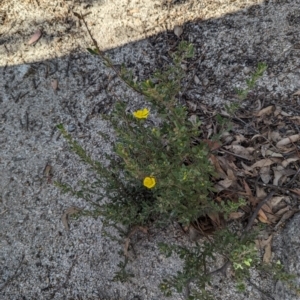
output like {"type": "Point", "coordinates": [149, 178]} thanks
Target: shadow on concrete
{"type": "Point", "coordinates": [227, 49]}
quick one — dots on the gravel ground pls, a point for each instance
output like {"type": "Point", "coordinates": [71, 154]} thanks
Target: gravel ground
{"type": "Point", "coordinates": [39, 258]}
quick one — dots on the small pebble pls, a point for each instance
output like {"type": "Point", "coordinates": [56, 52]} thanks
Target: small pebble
{"type": "Point", "coordinates": [71, 127]}
{"type": "Point", "coordinates": [205, 82]}
{"type": "Point", "coordinates": [247, 70]}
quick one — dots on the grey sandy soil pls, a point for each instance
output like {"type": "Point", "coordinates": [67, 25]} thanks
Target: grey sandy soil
{"type": "Point", "coordinates": [39, 259]}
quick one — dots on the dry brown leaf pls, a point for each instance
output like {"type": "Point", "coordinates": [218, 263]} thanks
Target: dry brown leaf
{"type": "Point", "coordinates": [247, 168]}
{"type": "Point", "coordinates": [191, 105]}
{"type": "Point", "coordinates": [262, 217]}
{"type": "Point", "coordinates": [137, 228]}
{"type": "Point", "coordinates": [178, 30]}
{"type": "Point", "coordinates": [215, 218]}
{"type": "Point", "coordinates": [251, 150]}
{"type": "Point", "coordinates": [247, 188]}
{"type": "Point", "coordinates": [268, 251]}
{"type": "Point", "coordinates": [265, 111]}
{"type": "Point", "coordinates": [271, 153]}
{"type": "Point", "coordinates": [274, 202]}
{"type": "Point", "coordinates": [285, 217]}
{"type": "Point", "coordinates": [214, 160]}
{"type": "Point", "coordinates": [272, 218]}
{"type": "Point", "coordinates": [133, 11]}
{"type": "Point", "coordinates": [193, 119]}
{"type": "Point", "coordinates": [223, 184]}
{"type": "Point", "coordinates": [54, 84]}
{"type": "Point", "coordinates": [260, 192]}
{"type": "Point", "coordinates": [296, 191]}
{"type": "Point", "coordinates": [277, 111]}
{"type": "Point", "coordinates": [126, 246]}
{"type": "Point", "coordinates": [212, 145]}
{"type": "Point", "coordinates": [267, 209]}
{"type": "Point", "coordinates": [278, 174]}
{"type": "Point", "coordinates": [231, 175]}
{"type": "Point", "coordinates": [282, 211]}
{"type": "Point", "coordinates": [238, 149]}
{"type": "Point", "coordinates": [238, 139]}
{"type": "Point", "coordinates": [274, 136]}
{"type": "Point", "coordinates": [265, 174]}
{"type": "Point", "coordinates": [264, 163]}
{"type": "Point", "coordinates": [263, 243]}
{"type": "Point", "coordinates": [226, 163]}
{"type": "Point", "coordinates": [253, 200]}
{"type": "Point", "coordinates": [286, 141]}
{"type": "Point", "coordinates": [257, 136]}
{"type": "Point", "coordinates": [287, 161]}
{"type": "Point", "coordinates": [259, 105]}
{"type": "Point", "coordinates": [68, 212]}
{"type": "Point", "coordinates": [296, 119]}
{"type": "Point", "coordinates": [143, 229]}
{"type": "Point", "coordinates": [263, 149]}
{"type": "Point", "coordinates": [194, 234]}
{"type": "Point", "coordinates": [285, 114]}
{"type": "Point", "coordinates": [236, 215]}
{"type": "Point", "coordinates": [296, 93]}
{"type": "Point", "coordinates": [35, 37]}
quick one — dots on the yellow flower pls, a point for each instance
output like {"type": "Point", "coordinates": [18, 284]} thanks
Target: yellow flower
{"type": "Point", "coordinates": [141, 114]}
{"type": "Point", "coordinates": [149, 182]}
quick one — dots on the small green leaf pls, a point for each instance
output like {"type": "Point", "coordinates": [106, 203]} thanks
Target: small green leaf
{"type": "Point", "coordinates": [93, 51]}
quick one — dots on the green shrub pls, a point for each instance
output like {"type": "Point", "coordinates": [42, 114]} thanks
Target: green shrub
{"type": "Point", "coordinates": [159, 173]}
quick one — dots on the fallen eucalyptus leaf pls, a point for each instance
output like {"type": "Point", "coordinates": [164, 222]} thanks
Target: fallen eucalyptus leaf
{"type": "Point", "coordinates": [278, 174]}
{"type": "Point", "coordinates": [274, 202]}
{"type": "Point", "coordinates": [260, 192]}
{"type": "Point", "coordinates": [287, 161]}
{"type": "Point", "coordinates": [288, 140]}
{"type": "Point", "coordinates": [54, 84]}
{"type": "Point", "coordinates": [262, 217]}
{"type": "Point", "coordinates": [268, 252]}
{"type": "Point", "coordinates": [264, 163]}
{"type": "Point", "coordinates": [271, 153]}
{"type": "Point", "coordinates": [35, 37]}
{"type": "Point", "coordinates": [265, 174]}
{"type": "Point", "coordinates": [236, 215]}
{"type": "Point", "coordinates": [223, 184]}
{"type": "Point", "coordinates": [265, 111]}
{"type": "Point", "coordinates": [68, 212]}
{"type": "Point", "coordinates": [126, 246]}
{"type": "Point", "coordinates": [296, 93]}
{"type": "Point", "coordinates": [282, 211]}
{"type": "Point", "coordinates": [274, 136]}
{"type": "Point", "coordinates": [178, 31]}
{"type": "Point", "coordinates": [296, 119]}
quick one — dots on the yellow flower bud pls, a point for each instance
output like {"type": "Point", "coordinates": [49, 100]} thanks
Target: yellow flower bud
{"type": "Point", "coordinates": [149, 182]}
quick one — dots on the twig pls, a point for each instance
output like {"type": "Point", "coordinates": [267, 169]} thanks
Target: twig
{"type": "Point", "coordinates": [14, 275]}
{"type": "Point", "coordinates": [259, 206]}
{"type": "Point", "coordinates": [260, 290]}
{"type": "Point", "coordinates": [68, 275]}
{"type": "Point", "coordinates": [221, 270]}
{"type": "Point", "coordinates": [292, 180]}
{"type": "Point", "coordinates": [250, 223]}
{"type": "Point", "coordinates": [233, 154]}
{"type": "Point", "coordinates": [281, 189]}
{"type": "Point", "coordinates": [100, 53]}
